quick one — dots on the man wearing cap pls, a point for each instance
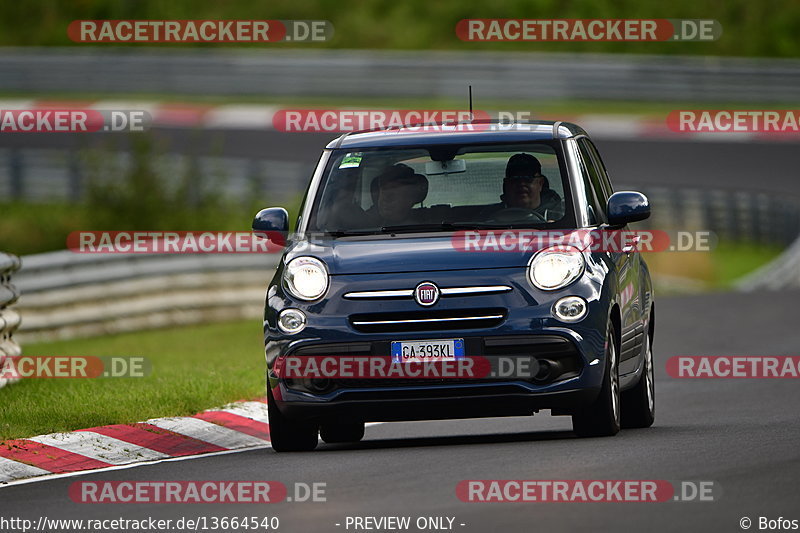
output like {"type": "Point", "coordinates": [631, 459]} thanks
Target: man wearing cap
{"type": "Point", "coordinates": [394, 193]}
{"type": "Point", "coordinates": [525, 189]}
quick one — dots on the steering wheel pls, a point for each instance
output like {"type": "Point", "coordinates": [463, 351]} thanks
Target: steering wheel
{"type": "Point", "coordinates": [516, 214]}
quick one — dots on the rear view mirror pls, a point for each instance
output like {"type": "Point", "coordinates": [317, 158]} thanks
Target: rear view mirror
{"type": "Point", "coordinates": [452, 166]}
{"type": "Point", "coordinates": [625, 207]}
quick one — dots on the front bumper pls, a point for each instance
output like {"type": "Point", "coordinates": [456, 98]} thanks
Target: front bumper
{"type": "Point", "coordinates": [527, 328]}
{"type": "Point", "coordinates": [435, 404]}
{"type": "Point", "coordinates": [574, 381]}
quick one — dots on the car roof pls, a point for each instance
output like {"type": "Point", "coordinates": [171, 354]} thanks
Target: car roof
{"type": "Point", "coordinates": [458, 133]}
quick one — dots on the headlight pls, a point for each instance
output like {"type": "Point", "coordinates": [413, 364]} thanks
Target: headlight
{"type": "Point", "coordinates": [306, 278]}
{"type": "Point", "coordinates": [556, 267]}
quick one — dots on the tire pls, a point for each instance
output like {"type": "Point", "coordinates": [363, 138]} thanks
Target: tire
{"type": "Point", "coordinates": [639, 403]}
{"type": "Point", "coordinates": [602, 417]}
{"type": "Point", "coordinates": [288, 435]}
{"type": "Point", "coordinates": [334, 433]}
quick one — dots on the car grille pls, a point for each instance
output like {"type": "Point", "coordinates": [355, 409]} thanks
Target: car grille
{"type": "Point", "coordinates": [443, 319]}
{"type": "Point", "coordinates": [352, 383]}
{"type": "Point", "coordinates": [446, 292]}
{"type": "Point", "coordinates": [554, 348]}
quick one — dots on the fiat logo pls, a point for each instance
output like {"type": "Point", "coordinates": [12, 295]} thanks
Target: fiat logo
{"type": "Point", "coordinates": [426, 293]}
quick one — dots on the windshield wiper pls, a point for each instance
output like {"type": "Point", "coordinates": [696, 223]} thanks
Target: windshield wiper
{"type": "Point", "coordinates": [443, 226]}
{"type": "Point", "coordinates": [419, 227]}
{"type": "Point", "coordinates": [352, 232]}
{"type": "Point", "coordinates": [436, 226]}
{"type": "Point", "coordinates": [453, 226]}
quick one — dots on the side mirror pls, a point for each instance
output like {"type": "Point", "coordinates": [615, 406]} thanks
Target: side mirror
{"type": "Point", "coordinates": [272, 223]}
{"type": "Point", "coordinates": [627, 206]}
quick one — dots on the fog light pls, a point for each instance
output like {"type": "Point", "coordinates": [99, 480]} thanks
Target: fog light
{"type": "Point", "coordinates": [317, 384]}
{"type": "Point", "coordinates": [570, 308]}
{"type": "Point", "coordinates": [291, 321]}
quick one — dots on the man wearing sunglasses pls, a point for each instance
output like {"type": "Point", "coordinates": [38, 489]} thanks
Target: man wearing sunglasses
{"type": "Point", "coordinates": [526, 194]}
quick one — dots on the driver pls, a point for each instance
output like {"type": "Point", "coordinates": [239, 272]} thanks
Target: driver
{"type": "Point", "coordinates": [524, 187]}
{"type": "Point", "coordinates": [394, 193]}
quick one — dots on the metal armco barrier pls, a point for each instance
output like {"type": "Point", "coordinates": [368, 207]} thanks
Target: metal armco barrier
{"type": "Point", "coordinates": [49, 174]}
{"type": "Point", "coordinates": [9, 318]}
{"type": "Point", "coordinates": [782, 273]}
{"type": "Point", "coordinates": [66, 294]}
{"type": "Point", "coordinates": [732, 215]}
{"type": "Point", "coordinates": [425, 74]}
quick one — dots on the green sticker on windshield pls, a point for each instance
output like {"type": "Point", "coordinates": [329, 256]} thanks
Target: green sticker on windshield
{"type": "Point", "coordinates": [351, 160]}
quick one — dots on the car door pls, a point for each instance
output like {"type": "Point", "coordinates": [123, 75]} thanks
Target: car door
{"type": "Point", "coordinates": [628, 263]}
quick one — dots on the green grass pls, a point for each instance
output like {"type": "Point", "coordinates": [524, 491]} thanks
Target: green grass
{"type": "Point", "coordinates": [749, 28]}
{"type": "Point", "coordinates": [193, 368]}
{"type": "Point", "coordinates": [718, 269]}
{"type": "Point", "coordinates": [731, 261]}
{"type": "Point", "coordinates": [33, 228]}
{"type": "Point", "coordinates": [30, 228]}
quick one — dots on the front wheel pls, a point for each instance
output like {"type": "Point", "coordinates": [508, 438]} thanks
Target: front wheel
{"type": "Point", "coordinates": [288, 435]}
{"type": "Point", "coordinates": [639, 403]}
{"type": "Point", "coordinates": [602, 417]}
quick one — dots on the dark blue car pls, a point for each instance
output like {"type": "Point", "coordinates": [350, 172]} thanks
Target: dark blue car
{"type": "Point", "coordinates": [426, 248]}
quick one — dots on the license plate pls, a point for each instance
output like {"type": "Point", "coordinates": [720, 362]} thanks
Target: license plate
{"type": "Point", "coordinates": [429, 350]}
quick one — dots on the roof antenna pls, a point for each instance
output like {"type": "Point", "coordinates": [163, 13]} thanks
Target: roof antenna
{"type": "Point", "coordinates": [471, 116]}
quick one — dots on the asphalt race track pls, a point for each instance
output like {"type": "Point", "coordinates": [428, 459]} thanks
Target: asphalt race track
{"type": "Point", "coordinates": [741, 434]}
{"type": "Point", "coordinates": [744, 435]}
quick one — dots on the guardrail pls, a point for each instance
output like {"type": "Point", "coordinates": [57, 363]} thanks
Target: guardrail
{"type": "Point", "coordinates": [426, 74]}
{"type": "Point", "coordinates": [9, 318]}
{"type": "Point", "coordinates": [732, 215]}
{"type": "Point", "coordinates": [66, 294]}
{"type": "Point", "coordinates": [782, 273]}
{"type": "Point", "coordinates": [50, 174]}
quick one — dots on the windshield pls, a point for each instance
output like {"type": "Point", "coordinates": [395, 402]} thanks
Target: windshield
{"type": "Point", "coordinates": [443, 188]}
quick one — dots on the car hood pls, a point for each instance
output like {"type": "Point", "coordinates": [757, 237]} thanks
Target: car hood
{"type": "Point", "coordinates": [402, 254]}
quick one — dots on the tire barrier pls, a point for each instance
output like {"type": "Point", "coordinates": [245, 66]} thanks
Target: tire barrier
{"type": "Point", "coordinates": [9, 318]}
